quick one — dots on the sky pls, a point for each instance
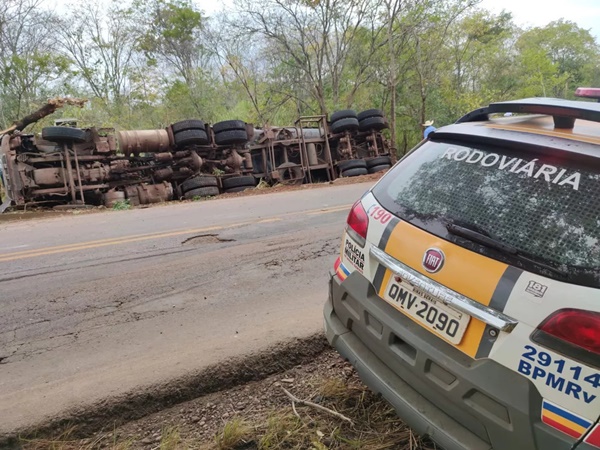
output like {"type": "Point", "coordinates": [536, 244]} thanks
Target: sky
{"type": "Point", "coordinates": [585, 13]}
{"type": "Point", "coordinates": [526, 13]}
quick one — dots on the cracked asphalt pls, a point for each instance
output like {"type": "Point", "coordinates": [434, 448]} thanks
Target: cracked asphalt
{"type": "Point", "coordinates": [99, 306]}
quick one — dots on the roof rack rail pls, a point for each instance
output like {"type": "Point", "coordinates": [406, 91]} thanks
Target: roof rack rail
{"type": "Point", "coordinates": [564, 112]}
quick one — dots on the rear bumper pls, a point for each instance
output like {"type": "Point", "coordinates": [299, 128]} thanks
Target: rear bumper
{"type": "Point", "coordinates": [438, 391]}
{"type": "Point", "coordinates": [414, 409]}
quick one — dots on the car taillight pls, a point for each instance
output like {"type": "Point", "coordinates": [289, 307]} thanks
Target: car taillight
{"type": "Point", "coordinates": [572, 332]}
{"type": "Point", "coordinates": [358, 223]}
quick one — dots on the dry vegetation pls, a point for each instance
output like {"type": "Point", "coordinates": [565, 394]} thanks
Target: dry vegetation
{"type": "Point", "coordinates": [268, 419]}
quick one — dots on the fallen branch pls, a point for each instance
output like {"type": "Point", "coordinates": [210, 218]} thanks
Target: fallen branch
{"type": "Point", "coordinates": [294, 408]}
{"type": "Point", "coordinates": [50, 107]}
{"type": "Point", "coordinates": [316, 406]}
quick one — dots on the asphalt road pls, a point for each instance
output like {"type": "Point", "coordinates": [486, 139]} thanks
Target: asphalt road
{"type": "Point", "coordinates": [100, 305]}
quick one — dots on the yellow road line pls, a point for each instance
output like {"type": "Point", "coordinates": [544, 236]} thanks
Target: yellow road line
{"type": "Point", "coordinates": [148, 236]}
{"type": "Point", "coordinates": [113, 239]}
{"type": "Point", "coordinates": [329, 210]}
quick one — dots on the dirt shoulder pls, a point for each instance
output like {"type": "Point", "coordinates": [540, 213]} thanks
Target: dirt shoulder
{"type": "Point", "coordinates": [114, 412]}
{"type": "Point", "coordinates": [261, 415]}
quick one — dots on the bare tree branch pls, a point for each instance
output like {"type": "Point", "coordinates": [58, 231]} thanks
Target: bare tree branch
{"type": "Point", "coordinates": [317, 406]}
{"type": "Point", "coordinates": [47, 109]}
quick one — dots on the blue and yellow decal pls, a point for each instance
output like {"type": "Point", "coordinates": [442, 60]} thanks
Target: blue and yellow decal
{"type": "Point", "coordinates": [563, 420]}
{"type": "Point", "coordinates": [340, 270]}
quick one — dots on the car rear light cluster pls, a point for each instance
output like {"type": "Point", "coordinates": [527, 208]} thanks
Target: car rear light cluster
{"type": "Point", "coordinates": [358, 224]}
{"type": "Point", "coordinates": [572, 332]}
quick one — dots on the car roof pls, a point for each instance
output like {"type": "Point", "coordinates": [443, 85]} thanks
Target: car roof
{"type": "Point", "coordinates": [564, 125]}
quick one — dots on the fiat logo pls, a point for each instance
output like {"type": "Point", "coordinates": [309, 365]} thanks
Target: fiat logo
{"type": "Point", "coordinates": [433, 260]}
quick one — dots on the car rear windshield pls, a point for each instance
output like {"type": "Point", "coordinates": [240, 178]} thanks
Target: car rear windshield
{"type": "Point", "coordinates": [546, 206]}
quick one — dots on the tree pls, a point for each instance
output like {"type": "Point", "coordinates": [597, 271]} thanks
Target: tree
{"type": "Point", "coordinates": [30, 68]}
{"type": "Point", "coordinates": [429, 44]}
{"type": "Point", "coordinates": [312, 37]}
{"type": "Point", "coordinates": [555, 59]}
{"type": "Point", "coordinates": [100, 44]}
{"type": "Point", "coordinates": [481, 54]}
{"type": "Point", "coordinates": [398, 28]}
{"type": "Point", "coordinates": [417, 60]}
{"type": "Point", "coordinates": [172, 37]}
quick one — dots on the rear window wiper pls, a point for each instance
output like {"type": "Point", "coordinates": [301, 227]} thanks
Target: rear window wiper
{"type": "Point", "coordinates": [479, 236]}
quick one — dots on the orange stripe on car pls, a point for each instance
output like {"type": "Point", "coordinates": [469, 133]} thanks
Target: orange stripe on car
{"type": "Point", "coordinates": [464, 271]}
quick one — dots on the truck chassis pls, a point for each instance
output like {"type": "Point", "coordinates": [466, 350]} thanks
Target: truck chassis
{"type": "Point", "coordinates": [74, 167]}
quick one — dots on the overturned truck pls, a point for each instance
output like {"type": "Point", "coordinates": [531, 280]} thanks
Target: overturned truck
{"type": "Point", "coordinates": [66, 165]}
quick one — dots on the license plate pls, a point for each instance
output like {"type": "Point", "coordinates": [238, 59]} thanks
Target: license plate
{"type": "Point", "coordinates": [444, 321]}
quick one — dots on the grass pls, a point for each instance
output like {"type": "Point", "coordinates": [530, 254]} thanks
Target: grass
{"type": "Point", "coordinates": [375, 424]}
{"type": "Point", "coordinates": [171, 439]}
{"type": "Point", "coordinates": [263, 184]}
{"type": "Point", "coordinates": [235, 434]}
{"type": "Point", "coordinates": [120, 205]}
{"type": "Point", "coordinates": [375, 427]}
{"type": "Point", "coordinates": [65, 441]}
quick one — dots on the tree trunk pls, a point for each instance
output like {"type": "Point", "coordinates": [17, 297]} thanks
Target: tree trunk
{"type": "Point", "coordinates": [44, 111]}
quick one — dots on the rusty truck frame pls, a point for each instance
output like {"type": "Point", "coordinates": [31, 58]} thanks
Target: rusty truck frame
{"type": "Point", "coordinates": [66, 165]}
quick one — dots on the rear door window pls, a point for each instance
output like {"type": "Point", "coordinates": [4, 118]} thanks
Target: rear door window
{"type": "Point", "coordinates": [546, 206]}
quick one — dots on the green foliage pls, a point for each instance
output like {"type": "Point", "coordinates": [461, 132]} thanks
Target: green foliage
{"type": "Point", "coordinates": [30, 67]}
{"type": "Point", "coordinates": [555, 59]}
{"type": "Point", "coordinates": [180, 21]}
{"type": "Point", "coordinates": [121, 205]}
{"type": "Point", "coordinates": [160, 61]}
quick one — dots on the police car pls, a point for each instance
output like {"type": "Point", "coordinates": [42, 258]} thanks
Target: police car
{"type": "Point", "coordinates": [467, 290]}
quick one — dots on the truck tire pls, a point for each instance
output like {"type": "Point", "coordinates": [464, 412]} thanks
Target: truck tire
{"type": "Point", "coordinates": [231, 137]}
{"type": "Point", "coordinates": [378, 160]}
{"type": "Point", "coordinates": [342, 114]}
{"type": "Point", "coordinates": [355, 172]}
{"type": "Point", "coordinates": [190, 137]}
{"type": "Point", "coordinates": [199, 182]}
{"type": "Point", "coordinates": [209, 191]}
{"type": "Point", "coordinates": [352, 164]}
{"type": "Point", "coordinates": [379, 168]}
{"type": "Point", "coordinates": [229, 125]}
{"type": "Point", "coordinates": [347, 124]}
{"type": "Point", "coordinates": [63, 134]}
{"type": "Point", "coordinates": [373, 123]}
{"type": "Point", "coordinates": [191, 124]}
{"type": "Point", "coordinates": [234, 182]}
{"type": "Point", "coordinates": [369, 113]}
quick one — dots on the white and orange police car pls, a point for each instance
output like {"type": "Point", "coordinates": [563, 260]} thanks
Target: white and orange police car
{"type": "Point", "coordinates": [467, 290]}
